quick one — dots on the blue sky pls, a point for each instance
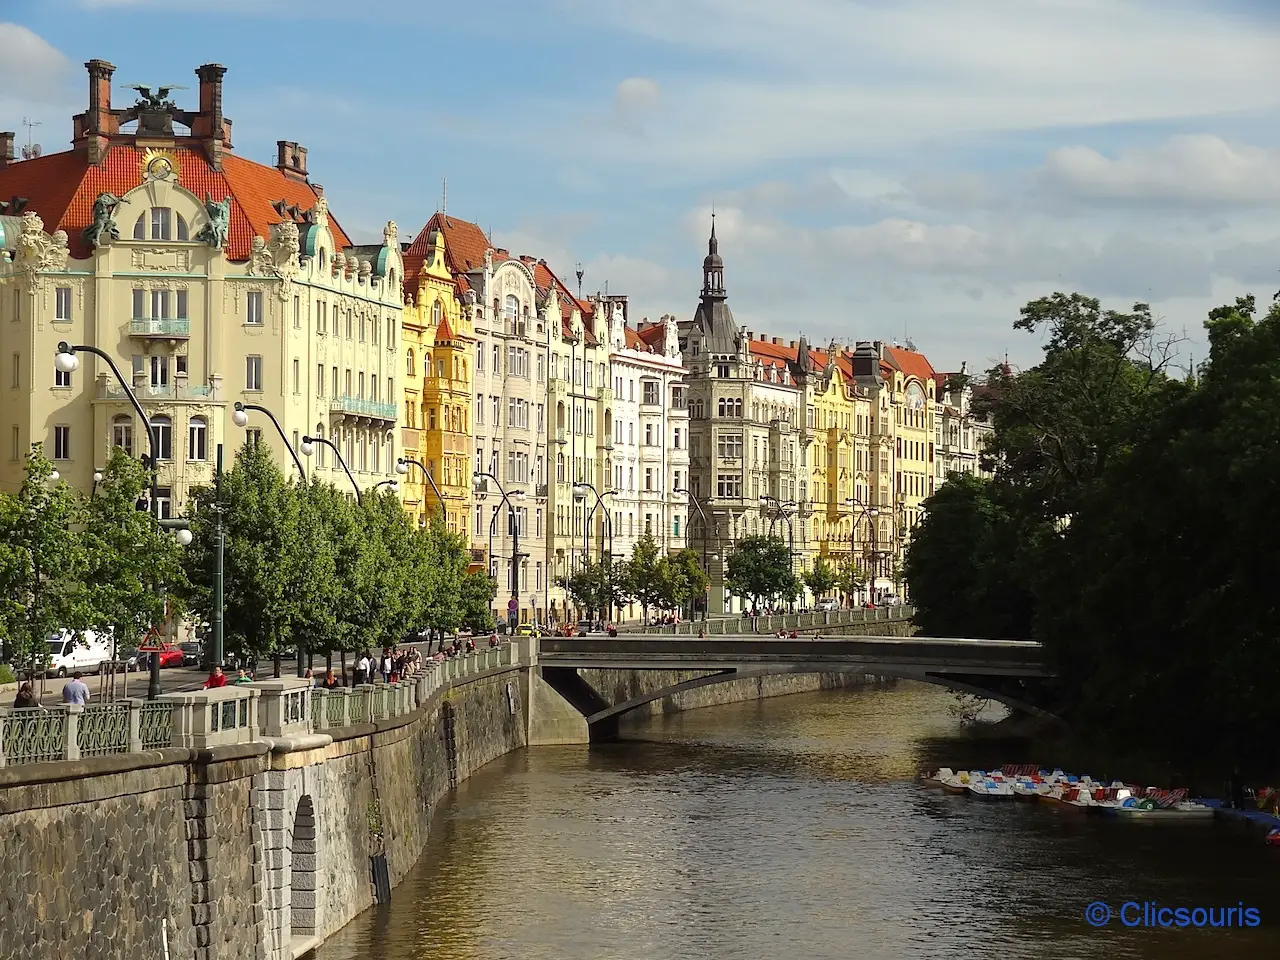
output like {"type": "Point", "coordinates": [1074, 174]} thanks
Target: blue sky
{"type": "Point", "coordinates": [880, 169]}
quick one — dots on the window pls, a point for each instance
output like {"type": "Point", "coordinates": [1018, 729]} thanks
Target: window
{"type": "Point", "coordinates": [729, 446]}
{"type": "Point", "coordinates": [517, 362]}
{"type": "Point", "coordinates": [297, 313]}
{"type": "Point", "coordinates": [650, 388]}
{"type": "Point", "coordinates": [408, 362]}
{"type": "Point", "coordinates": [542, 368]}
{"type": "Point", "coordinates": [648, 434]}
{"type": "Point", "coordinates": [61, 379]}
{"type": "Point", "coordinates": [122, 434]}
{"type": "Point", "coordinates": [722, 371]}
{"type": "Point", "coordinates": [319, 379]}
{"type": "Point", "coordinates": [480, 356]}
{"type": "Point", "coordinates": [648, 478]}
{"type": "Point", "coordinates": [162, 431]}
{"type": "Point", "coordinates": [253, 436]}
{"type": "Point", "coordinates": [62, 442]}
{"type": "Point", "coordinates": [676, 439]}
{"type": "Point", "coordinates": [253, 373]}
{"type": "Point", "coordinates": [164, 503]}
{"type": "Point", "coordinates": [360, 388]}
{"type": "Point", "coordinates": [159, 371]}
{"type": "Point", "coordinates": [363, 331]}
{"type": "Point", "coordinates": [198, 439]}
{"type": "Point", "coordinates": [17, 370]}
{"type": "Point", "coordinates": [349, 325]}
{"type": "Point", "coordinates": [437, 311]}
{"type": "Point", "coordinates": [729, 407]}
{"type": "Point", "coordinates": [17, 442]}
{"type": "Point", "coordinates": [510, 312]}
{"type": "Point", "coordinates": [160, 302]}
{"type": "Point", "coordinates": [320, 448]}
{"type": "Point", "coordinates": [729, 486]}
{"type": "Point", "coordinates": [440, 369]}
{"type": "Point", "coordinates": [480, 409]}
{"type": "Point", "coordinates": [253, 308]}
{"type": "Point", "coordinates": [62, 303]}
{"type": "Point", "coordinates": [161, 223]}
{"type": "Point", "coordinates": [334, 391]}
{"type": "Point", "coordinates": [497, 360]}
{"type": "Point", "coordinates": [321, 317]}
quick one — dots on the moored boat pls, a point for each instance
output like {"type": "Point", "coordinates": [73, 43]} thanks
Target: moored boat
{"type": "Point", "coordinates": [991, 787]}
{"type": "Point", "coordinates": [1163, 805]}
{"type": "Point", "coordinates": [957, 783]}
{"type": "Point", "coordinates": [936, 778]}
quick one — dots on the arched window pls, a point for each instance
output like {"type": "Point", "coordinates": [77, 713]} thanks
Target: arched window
{"type": "Point", "coordinates": [408, 362]}
{"type": "Point", "coordinates": [162, 429]}
{"type": "Point", "coordinates": [320, 447]}
{"type": "Point", "coordinates": [183, 232]}
{"type": "Point", "coordinates": [559, 468]}
{"type": "Point", "coordinates": [122, 433]}
{"type": "Point", "coordinates": [510, 311]}
{"type": "Point", "coordinates": [320, 256]}
{"type": "Point", "coordinates": [437, 311]}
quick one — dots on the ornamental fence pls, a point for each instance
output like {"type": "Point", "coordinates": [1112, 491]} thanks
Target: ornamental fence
{"type": "Point", "coordinates": [813, 621]}
{"type": "Point", "coordinates": [238, 713]}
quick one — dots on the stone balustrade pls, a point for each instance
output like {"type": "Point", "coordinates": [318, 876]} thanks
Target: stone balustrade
{"type": "Point", "coordinates": [272, 709]}
{"type": "Point", "coordinates": [813, 620]}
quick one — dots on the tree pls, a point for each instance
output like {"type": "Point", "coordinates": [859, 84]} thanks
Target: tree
{"type": "Point", "coordinates": [42, 564]}
{"type": "Point", "coordinates": [965, 566]}
{"type": "Point", "coordinates": [130, 561]}
{"type": "Point", "coordinates": [475, 595]}
{"type": "Point", "coordinates": [821, 578]}
{"type": "Point", "coordinates": [760, 568]}
{"type": "Point", "coordinates": [591, 586]}
{"type": "Point", "coordinates": [260, 527]}
{"type": "Point", "coordinates": [649, 577]}
{"type": "Point", "coordinates": [441, 573]}
{"type": "Point", "coordinates": [851, 576]}
{"type": "Point", "coordinates": [690, 581]}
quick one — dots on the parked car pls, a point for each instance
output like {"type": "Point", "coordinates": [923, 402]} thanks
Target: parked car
{"type": "Point", "coordinates": [170, 655]}
{"type": "Point", "coordinates": [526, 630]}
{"type": "Point", "coordinates": [192, 653]}
{"type": "Point", "coordinates": [71, 651]}
{"type": "Point", "coordinates": [131, 658]}
{"type": "Point", "coordinates": [826, 604]}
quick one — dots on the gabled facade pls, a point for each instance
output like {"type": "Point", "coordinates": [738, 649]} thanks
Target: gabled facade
{"type": "Point", "coordinates": [960, 435]}
{"type": "Point", "coordinates": [439, 353]}
{"type": "Point", "coordinates": [650, 458]}
{"type": "Point", "coordinates": [208, 279]}
{"type": "Point", "coordinates": [743, 426]}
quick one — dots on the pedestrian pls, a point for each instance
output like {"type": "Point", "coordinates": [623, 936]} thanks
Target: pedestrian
{"type": "Point", "coordinates": [75, 691]}
{"type": "Point", "coordinates": [362, 669]}
{"type": "Point", "coordinates": [307, 674]}
{"type": "Point", "coordinates": [493, 640]}
{"type": "Point", "coordinates": [386, 666]}
{"type": "Point", "coordinates": [330, 680]}
{"type": "Point", "coordinates": [216, 679]}
{"type": "Point", "coordinates": [26, 696]}
{"type": "Point", "coordinates": [241, 677]}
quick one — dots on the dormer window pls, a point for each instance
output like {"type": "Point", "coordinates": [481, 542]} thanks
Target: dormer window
{"type": "Point", "coordinates": [437, 310]}
{"type": "Point", "coordinates": [161, 223]}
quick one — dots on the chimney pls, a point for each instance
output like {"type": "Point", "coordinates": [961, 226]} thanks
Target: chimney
{"type": "Point", "coordinates": [775, 341]}
{"type": "Point", "coordinates": [98, 123]}
{"type": "Point", "coordinates": [6, 148]}
{"type": "Point", "coordinates": [210, 125]}
{"type": "Point", "coordinates": [291, 159]}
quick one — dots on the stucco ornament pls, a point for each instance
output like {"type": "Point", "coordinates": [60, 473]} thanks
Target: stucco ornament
{"type": "Point", "coordinates": [670, 337]}
{"type": "Point", "coordinates": [391, 236]}
{"type": "Point", "coordinates": [488, 260]}
{"type": "Point", "coordinates": [261, 263]}
{"type": "Point", "coordinates": [37, 250]}
{"type": "Point", "coordinates": [103, 228]}
{"type": "Point", "coordinates": [282, 256]}
{"type": "Point", "coordinates": [366, 268]}
{"type": "Point", "coordinates": [214, 233]}
{"type": "Point", "coordinates": [320, 212]}
{"type": "Point", "coordinates": [617, 334]}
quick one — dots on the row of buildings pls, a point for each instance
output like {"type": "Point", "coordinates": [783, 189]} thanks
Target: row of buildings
{"type": "Point", "coordinates": [473, 377]}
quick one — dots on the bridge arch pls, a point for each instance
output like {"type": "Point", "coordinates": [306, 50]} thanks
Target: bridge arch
{"type": "Point", "coordinates": [607, 718]}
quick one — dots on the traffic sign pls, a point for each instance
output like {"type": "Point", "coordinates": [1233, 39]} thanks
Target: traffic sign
{"type": "Point", "coordinates": [154, 643]}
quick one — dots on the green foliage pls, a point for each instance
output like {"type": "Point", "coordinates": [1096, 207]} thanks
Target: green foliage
{"type": "Point", "coordinates": [475, 601]}
{"type": "Point", "coordinates": [306, 566]}
{"type": "Point", "coordinates": [851, 576]}
{"type": "Point", "coordinates": [760, 569]}
{"type": "Point", "coordinates": [689, 580]}
{"type": "Point", "coordinates": [6, 674]}
{"type": "Point", "coordinates": [596, 585]}
{"type": "Point", "coordinates": [1130, 527]}
{"type": "Point", "coordinates": [821, 578]}
{"type": "Point", "coordinates": [43, 564]}
{"type": "Point", "coordinates": [649, 577]}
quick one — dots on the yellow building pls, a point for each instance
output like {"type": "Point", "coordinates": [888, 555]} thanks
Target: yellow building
{"type": "Point", "coordinates": [208, 279]}
{"type": "Point", "coordinates": [438, 340]}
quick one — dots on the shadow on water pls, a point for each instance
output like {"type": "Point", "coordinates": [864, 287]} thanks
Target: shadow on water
{"type": "Point", "coordinates": [794, 825]}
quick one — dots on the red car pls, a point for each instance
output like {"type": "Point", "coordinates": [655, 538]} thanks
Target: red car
{"type": "Point", "coordinates": [170, 656]}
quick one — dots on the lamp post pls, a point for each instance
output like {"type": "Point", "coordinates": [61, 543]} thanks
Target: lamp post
{"type": "Point", "coordinates": [393, 484]}
{"type": "Point", "coordinates": [240, 417]}
{"type": "Point", "coordinates": [870, 511]}
{"type": "Point", "coordinates": [706, 600]}
{"type": "Point", "coordinates": [513, 605]}
{"type": "Point", "coordinates": [780, 509]}
{"type": "Point", "coordinates": [579, 495]}
{"type": "Point", "coordinates": [309, 447]}
{"type": "Point", "coordinates": [97, 479]}
{"type": "Point", "coordinates": [402, 467]}
{"type": "Point", "coordinates": [66, 361]}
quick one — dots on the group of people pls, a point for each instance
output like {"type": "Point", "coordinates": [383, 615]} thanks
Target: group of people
{"type": "Point", "coordinates": [394, 665]}
{"type": "Point", "coordinates": [74, 691]}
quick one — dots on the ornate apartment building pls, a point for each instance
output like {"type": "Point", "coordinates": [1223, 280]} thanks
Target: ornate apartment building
{"type": "Point", "coordinates": [743, 426]}
{"type": "Point", "coordinates": [960, 434]}
{"type": "Point", "coordinates": [439, 354]}
{"type": "Point", "coordinates": [208, 279]}
{"type": "Point", "coordinates": [650, 458]}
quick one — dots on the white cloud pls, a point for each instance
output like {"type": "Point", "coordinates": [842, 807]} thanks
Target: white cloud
{"type": "Point", "coordinates": [31, 68]}
{"type": "Point", "coordinates": [1201, 169]}
{"type": "Point", "coordinates": [831, 78]}
{"type": "Point", "coordinates": [636, 94]}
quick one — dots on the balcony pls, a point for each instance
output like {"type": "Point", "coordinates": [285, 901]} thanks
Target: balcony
{"type": "Point", "coordinates": [540, 491]}
{"type": "Point", "coordinates": [364, 409]}
{"type": "Point", "coordinates": [562, 435]}
{"type": "Point", "coordinates": [110, 390]}
{"type": "Point", "coordinates": [160, 328]}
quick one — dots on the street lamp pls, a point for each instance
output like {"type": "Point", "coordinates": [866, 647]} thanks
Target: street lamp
{"type": "Point", "coordinates": [66, 361]}
{"type": "Point", "coordinates": [55, 476]}
{"type": "Point", "coordinates": [783, 511]}
{"type": "Point", "coordinates": [240, 417]}
{"type": "Point", "coordinates": [309, 447]}
{"type": "Point", "coordinates": [870, 511]}
{"type": "Point", "coordinates": [513, 605]}
{"type": "Point", "coordinates": [402, 467]}
{"type": "Point", "coordinates": [393, 484]}
{"type": "Point", "coordinates": [706, 568]}
{"type": "Point", "coordinates": [580, 496]}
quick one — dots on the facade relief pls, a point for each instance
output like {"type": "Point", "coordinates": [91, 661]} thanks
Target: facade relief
{"type": "Point", "coordinates": [38, 251]}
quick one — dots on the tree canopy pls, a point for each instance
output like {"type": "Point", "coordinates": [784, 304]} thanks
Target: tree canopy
{"type": "Point", "coordinates": [1129, 526]}
{"type": "Point", "coordinates": [760, 568]}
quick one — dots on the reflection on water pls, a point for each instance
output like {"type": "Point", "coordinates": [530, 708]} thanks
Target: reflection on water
{"type": "Point", "coordinates": [793, 827]}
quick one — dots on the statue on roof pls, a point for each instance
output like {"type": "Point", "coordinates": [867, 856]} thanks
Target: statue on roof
{"type": "Point", "coordinates": [103, 228]}
{"type": "Point", "coordinates": [214, 232]}
{"type": "Point", "coordinates": [159, 100]}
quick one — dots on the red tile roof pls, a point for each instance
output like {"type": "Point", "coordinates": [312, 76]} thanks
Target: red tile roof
{"type": "Point", "coordinates": [464, 247]}
{"type": "Point", "coordinates": [911, 363]}
{"type": "Point", "coordinates": [444, 332]}
{"type": "Point", "coordinates": [633, 340]}
{"type": "Point", "coordinates": [62, 188]}
{"type": "Point", "coordinates": [653, 335]}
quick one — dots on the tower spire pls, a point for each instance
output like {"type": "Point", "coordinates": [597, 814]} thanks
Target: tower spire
{"type": "Point", "coordinates": [713, 266]}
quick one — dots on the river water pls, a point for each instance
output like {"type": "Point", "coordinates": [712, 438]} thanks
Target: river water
{"type": "Point", "coordinates": [793, 827]}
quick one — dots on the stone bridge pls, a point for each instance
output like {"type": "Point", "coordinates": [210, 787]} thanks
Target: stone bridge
{"type": "Point", "coordinates": [1007, 671]}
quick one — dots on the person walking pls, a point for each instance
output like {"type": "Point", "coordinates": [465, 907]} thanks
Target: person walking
{"type": "Point", "coordinates": [216, 679]}
{"type": "Point", "coordinates": [386, 666]}
{"type": "Point", "coordinates": [75, 691]}
{"type": "Point", "coordinates": [362, 669]}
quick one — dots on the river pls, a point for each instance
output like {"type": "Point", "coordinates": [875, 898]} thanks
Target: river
{"type": "Point", "coordinates": [793, 827]}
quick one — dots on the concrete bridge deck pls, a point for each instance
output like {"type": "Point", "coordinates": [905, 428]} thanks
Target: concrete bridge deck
{"type": "Point", "coordinates": [894, 656]}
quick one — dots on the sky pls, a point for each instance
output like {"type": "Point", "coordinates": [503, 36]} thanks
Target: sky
{"type": "Point", "coordinates": [887, 169]}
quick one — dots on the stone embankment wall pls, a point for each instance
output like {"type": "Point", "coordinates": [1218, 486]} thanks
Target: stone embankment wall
{"type": "Point", "coordinates": [249, 852]}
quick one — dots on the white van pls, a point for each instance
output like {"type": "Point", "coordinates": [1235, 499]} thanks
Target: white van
{"type": "Point", "coordinates": [69, 652]}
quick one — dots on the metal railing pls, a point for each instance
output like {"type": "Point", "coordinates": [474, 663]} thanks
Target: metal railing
{"type": "Point", "coordinates": [816, 620]}
{"type": "Point", "coordinates": [160, 327]}
{"type": "Point", "coordinates": [359, 407]}
{"type": "Point", "coordinates": [165, 391]}
{"type": "Point", "coordinates": [240, 713]}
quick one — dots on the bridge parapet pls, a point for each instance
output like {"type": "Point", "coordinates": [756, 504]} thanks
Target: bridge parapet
{"type": "Point", "coordinates": [814, 620]}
